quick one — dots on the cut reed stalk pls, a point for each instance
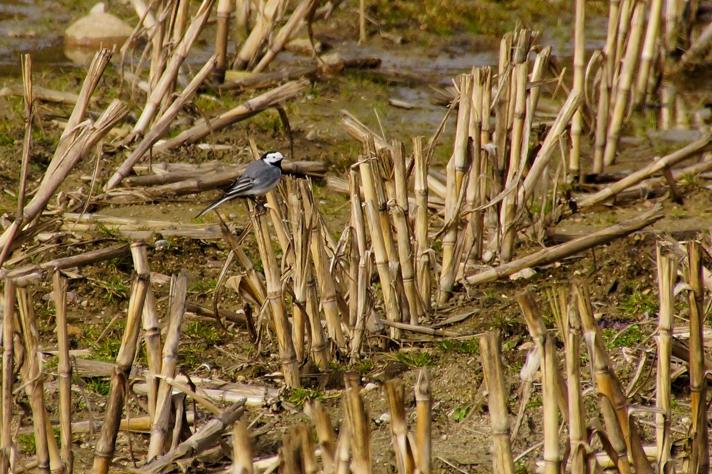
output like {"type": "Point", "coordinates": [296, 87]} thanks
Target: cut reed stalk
{"type": "Point", "coordinates": [24, 275]}
{"type": "Point", "coordinates": [358, 292]}
{"type": "Point", "coordinates": [160, 428]}
{"type": "Point", "coordinates": [104, 451]}
{"type": "Point", "coordinates": [253, 278]}
{"type": "Point", "coordinates": [609, 389]}
{"type": "Point", "coordinates": [42, 93]}
{"type": "Point", "coordinates": [543, 157]}
{"type": "Point", "coordinates": [421, 224]}
{"type": "Point", "coordinates": [380, 231]}
{"type": "Point", "coordinates": [358, 427]}
{"type": "Point", "coordinates": [456, 171]}
{"type": "Point", "coordinates": [624, 83]}
{"type": "Point", "coordinates": [403, 232]}
{"type": "Point", "coordinates": [8, 334]}
{"type": "Point", "coordinates": [279, 224]}
{"type": "Point", "coordinates": [165, 173]}
{"type": "Point", "coordinates": [673, 15]}
{"type": "Point", "coordinates": [615, 447]}
{"type": "Point", "coordinates": [540, 64]}
{"type": "Point", "coordinates": [325, 433]}
{"type": "Point", "coordinates": [682, 121]}
{"type": "Point", "coordinates": [667, 272]}
{"type": "Point", "coordinates": [152, 340]}
{"type": "Point", "coordinates": [96, 69]}
{"type": "Point", "coordinates": [290, 455]}
{"type": "Point", "coordinates": [605, 85]}
{"type": "Point", "coordinates": [64, 371]}
{"type": "Point", "coordinates": [622, 39]}
{"type": "Point", "coordinates": [180, 20]}
{"type": "Point", "coordinates": [667, 100]}
{"type": "Point", "coordinates": [519, 87]}
{"type": "Point", "coordinates": [300, 269]}
{"type": "Point", "coordinates": [579, 76]}
{"type": "Point", "coordinates": [375, 190]}
{"type": "Point", "coordinates": [555, 253]}
{"type": "Point", "coordinates": [300, 13]}
{"type": "Point", "coordinates": [361, 132]}
{"type": "Point", "coordinates": [161, 126]}
{"type": "Point", "coordinates": [601, 123]}
{"type": "Point", "coordinates": [491, 358]}
{"type": "Point", "coordinates": [657, 165]}
{"type": "Point", "coordinates": [242, 17]}
{"type": "Point", "coordinates": [242, 451]}
{"type": "Point", "coordinates": [698, 437]}
{"type": "Point", "coordinates": [502, 105]}
{"type": "Point", "coordinates": [552, 458]}
{"type": "Point", "coordinates": [324, 276]}
{"type": "Point", "coordinates": [165, 82]}
{"type": "Point", "coordinates": [537, 330]}
{"type": "Point", "coordinates": [225, 8]}
{"type": "Point", "coordinates": [362, 22]}
{"type": "Point", "coordinates": [577, 424]}
{"type": "Point", "coordinates": [303, 312]}
{"type": "Point", "coordinates": [82, 141]}
{"type": "Point", "coordinates": [387, 286]}
{"type": "Point", "coordinates": [158, 53]}
{"type": "Point", "coordinates": [208, 435]}
{"type": "Point", "coordinates": [647, 57]}
{"type": "Point", "coordinates": [252, 107]}
{"type": "Point", "coordinates": [342, 450]}
{"type": "Point", "coordinates": [473, 196]}
{"type": "Point", "coordinates": [423, 434]}
{"type": "Point", "coordinates": [26, 150]}
{"type": "Point", "coordinates": [45, 449]}
{"type": "Point", "coordinates": [355, 248]}
{"type": "Point", "coordinates": [308, 454]}
{"type": "Point", "coordinates": [288, 359]}
{"type": "Point", "coordinates": [267, 14]}
{"type": "Point", "coordinates": [399, 427]}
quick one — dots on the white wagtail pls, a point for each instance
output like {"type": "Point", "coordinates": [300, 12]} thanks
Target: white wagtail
{"type": "Point", "coordinates": [260, 177]}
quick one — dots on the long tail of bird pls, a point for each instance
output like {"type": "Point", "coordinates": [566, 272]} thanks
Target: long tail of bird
{"type": "Point", "coordinates": [213, 205]}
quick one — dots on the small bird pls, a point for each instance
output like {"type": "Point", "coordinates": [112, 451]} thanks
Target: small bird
{"type": "Point", "coordinates": [260, 177]}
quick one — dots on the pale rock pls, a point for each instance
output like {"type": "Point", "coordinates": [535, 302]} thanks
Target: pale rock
{"type": "Point", "coordinates": [523, 274]}
{"type": "Point", "coordinates": [383, 419]}
{"type": "Point", "coordinates": [160, 278]}
{"type": "Point", "coordinates": [97, 28]}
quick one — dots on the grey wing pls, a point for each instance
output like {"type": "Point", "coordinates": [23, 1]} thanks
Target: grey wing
{"type": "Point", "coordinates": [263, 178]}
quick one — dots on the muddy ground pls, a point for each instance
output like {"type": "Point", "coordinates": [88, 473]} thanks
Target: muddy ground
{"type": "Point", "coordinates": [434, 47]}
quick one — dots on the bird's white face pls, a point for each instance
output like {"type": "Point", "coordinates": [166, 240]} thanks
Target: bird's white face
{"type": "Point", "coordinates": [273, 157]}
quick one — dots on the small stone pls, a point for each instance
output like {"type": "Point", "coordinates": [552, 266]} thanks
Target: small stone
{"type": "Point", "coordinates": [98, 27]}
{"type": "Point", "coordinates": [523, 274]}
{"type": "Point", "coordinates": [160, 278]}
{"type": "Point", "coordinates": [401, 104]}
{"type": "Point", "coordinates": [369, 386]}
{"type": "Point", "coordinates": [162, 244]}
{"type": "Point", "coordinates": [525, 346]}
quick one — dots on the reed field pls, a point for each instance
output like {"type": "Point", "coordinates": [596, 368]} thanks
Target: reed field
{"type": "Point", "coordinates": [489, 250]}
